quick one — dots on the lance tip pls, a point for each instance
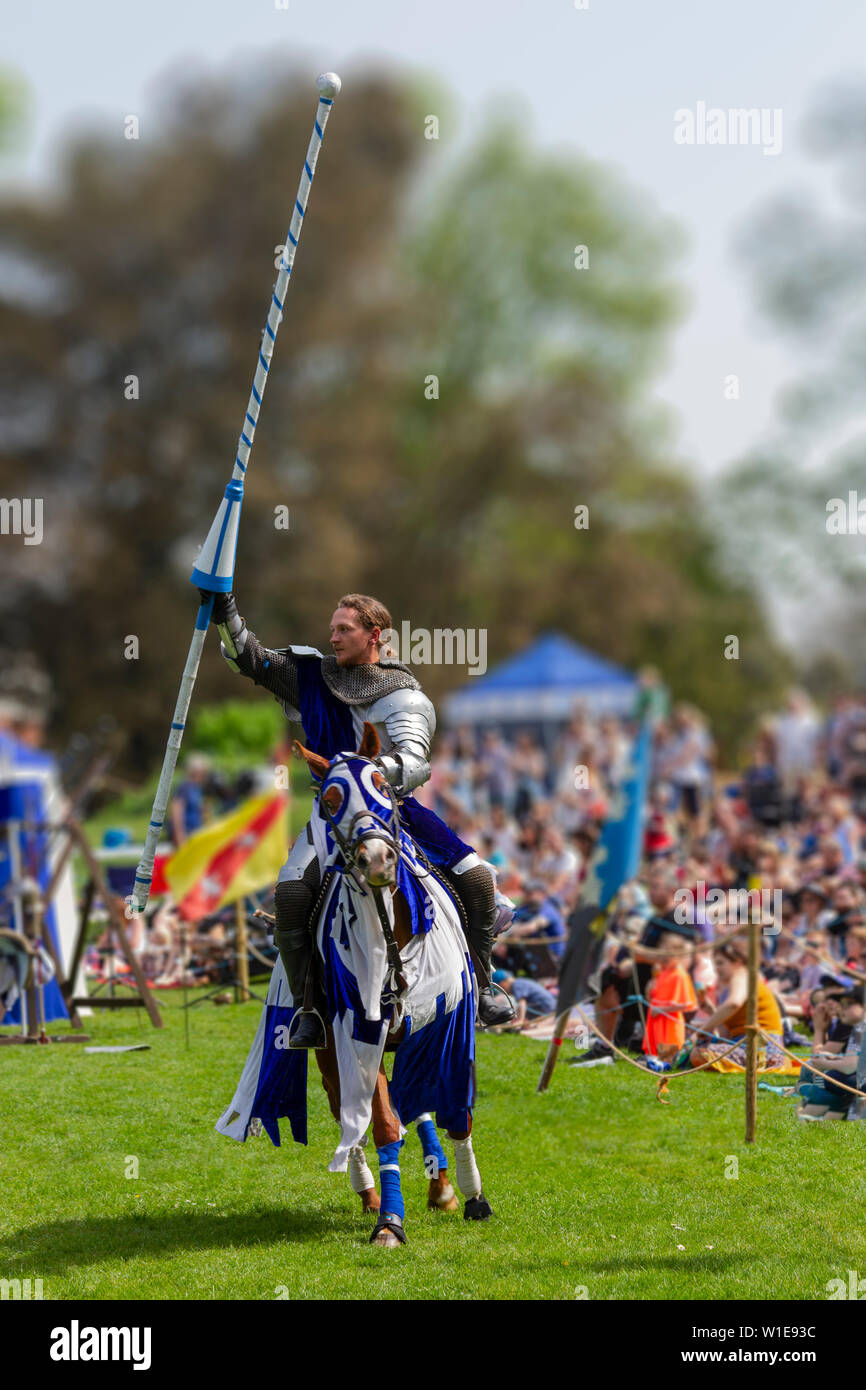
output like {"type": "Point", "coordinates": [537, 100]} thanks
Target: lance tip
{"type": "Point", "coordinates": [329, 85]}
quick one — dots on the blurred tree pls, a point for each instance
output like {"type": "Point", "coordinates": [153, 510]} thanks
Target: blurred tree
{"type": "Point", "coordinates": [805, 254]}
{"type": "Point", "coordinates": [131, 309]}
{"type": "Point", "coordinates": [14, 109]}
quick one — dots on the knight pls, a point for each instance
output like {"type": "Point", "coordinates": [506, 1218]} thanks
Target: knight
{"type": "Point", "coordinates": [332, 697]}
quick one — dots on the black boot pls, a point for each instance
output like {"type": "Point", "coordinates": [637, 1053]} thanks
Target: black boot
{"type": "Point", "coordinates": [308, 1032]}
{"type": "Point", "coordinates": [494, 1006]}
{"type": "Point", "coordinates": [475, 890]}
{"type": "Point", "coordinates": [296, 951]}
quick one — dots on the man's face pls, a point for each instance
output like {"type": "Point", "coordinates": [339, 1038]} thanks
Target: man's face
{"type": "Point", "coordinates": [661, 888]}
{"type": "Point", "coordinates": [352, 643]}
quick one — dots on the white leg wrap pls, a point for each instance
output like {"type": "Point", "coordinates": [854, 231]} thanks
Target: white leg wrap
{"type": "Point", "coordinates": [359, 1173]}
{"type": "Point", "coordinates": [468, 1177]}
{"type": "Point", "coordinates": [425, 1116]}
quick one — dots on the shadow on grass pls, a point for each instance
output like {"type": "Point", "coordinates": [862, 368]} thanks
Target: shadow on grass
{"type": "Point", "coordinates": [54, 1246]}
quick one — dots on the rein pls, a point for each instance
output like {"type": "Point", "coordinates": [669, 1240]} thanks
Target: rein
{"type": "Point", "coordinates": [349, 847]}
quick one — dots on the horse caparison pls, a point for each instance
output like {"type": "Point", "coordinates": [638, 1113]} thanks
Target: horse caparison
{"type": "Point", "coordinates": [385, 1124]}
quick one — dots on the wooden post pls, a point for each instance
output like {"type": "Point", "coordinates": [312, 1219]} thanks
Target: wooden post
{"type": "Point", "coordinates": [559, 1027]}
{"type": "Point", "coordinates": [118, 924]}
{"type": "Point", "coordinates": [751, 1035]}
{"type": "Point", "coordinates": [243, 965]}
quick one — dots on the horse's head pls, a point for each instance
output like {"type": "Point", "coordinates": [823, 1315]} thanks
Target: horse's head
{"type": "Point", "coordinates": [361, 808]}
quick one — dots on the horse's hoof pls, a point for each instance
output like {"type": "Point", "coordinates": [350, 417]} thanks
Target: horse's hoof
{"type": "Point", "coordinates": [446, 1200]}
{"type": "Point", "coordinates": [477, 1208]}
{"type": "Point", "coordinates": [388, 1231]}
{"type": "Point", "coordinates": [386, 1239]}
{"type": "Point", "coordinates": [370, 1202]}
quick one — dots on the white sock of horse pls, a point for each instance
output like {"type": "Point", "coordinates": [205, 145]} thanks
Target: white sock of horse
{"type": "Point", "coordinates": [360, 1175]}
{"type": "Point", "coordinates": [468, 1176]}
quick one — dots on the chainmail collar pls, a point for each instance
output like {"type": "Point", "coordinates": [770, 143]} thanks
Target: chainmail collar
{"type": "Point", "coordinates": [361, 685]}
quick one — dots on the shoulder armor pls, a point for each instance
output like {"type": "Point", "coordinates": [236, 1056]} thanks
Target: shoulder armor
{"type": "Point", "coordinates": [403, 702]}
{"type": "Point", "coordinates": [301, 651]}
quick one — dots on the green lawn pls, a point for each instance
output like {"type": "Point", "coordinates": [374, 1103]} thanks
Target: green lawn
{"type": "Point", "coordinates": [594, 1185]}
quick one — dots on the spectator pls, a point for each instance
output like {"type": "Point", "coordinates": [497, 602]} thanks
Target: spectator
{"type": "Point", "coordinates": [187, 806]}
{"type": "Point", "coordinates": [728, 1022]}
{"type": "Point", "coordinates": [671, 998]}
{"type": "Point", "coordinates": [529, 770]}
{"type": "Point", "coordinates": [821, 1098]}
{"type": "Point", "coordinates": [531, 999]}
{"type": "Point", "coordinates": [687, 764]}
{"type": "Point", "coordinates": [539, 915]}
{"type": "Point", "coordinates": [624, 980]}
{"type": "Point", "coordinates": [796, 732]}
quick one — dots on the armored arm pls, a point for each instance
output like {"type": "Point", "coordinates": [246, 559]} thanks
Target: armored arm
{"type": "Point", "coordinates": [274, 670]}
{"type": "Point", "coordinates": [410, 722]}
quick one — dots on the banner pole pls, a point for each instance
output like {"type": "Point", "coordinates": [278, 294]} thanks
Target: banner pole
{"type": "Point", "coordinates": [752, 1033]}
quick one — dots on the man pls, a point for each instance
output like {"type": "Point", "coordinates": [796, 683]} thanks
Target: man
{"type": "Point", "coordinates": [822, 1100]}
{"type": "Point", "coordinates": [187, 810]}
{"type": "Point", "coordinates": [631, 972]}
{"type": "Point", "coordinates": [333, 696]}
{"type": "Point", "coordinates": [539, 914]}
{"type": "Point", "coordinates": [533, 1000]}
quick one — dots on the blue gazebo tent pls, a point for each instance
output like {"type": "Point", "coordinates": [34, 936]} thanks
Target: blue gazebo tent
{"type": "Point", "coordinates": [542, 685]}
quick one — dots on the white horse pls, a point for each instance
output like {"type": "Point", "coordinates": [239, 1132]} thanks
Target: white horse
{"type": "Point", "coordinates": [397, 977]}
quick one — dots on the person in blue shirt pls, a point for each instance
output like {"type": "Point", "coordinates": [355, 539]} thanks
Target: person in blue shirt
{"type": "Point", "coordinates": [539, 914]}
{"type": "Point", "coordinates": [531, 999]}
{"type": "Point", "coordinates": [187, 804]}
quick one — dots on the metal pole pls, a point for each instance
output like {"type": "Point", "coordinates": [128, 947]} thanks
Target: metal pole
{"type": "Point", "coordinates": [214, 570]}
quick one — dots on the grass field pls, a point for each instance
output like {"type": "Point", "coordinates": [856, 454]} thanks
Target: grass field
{"type": "Point", "coordinates": [595, 1186]}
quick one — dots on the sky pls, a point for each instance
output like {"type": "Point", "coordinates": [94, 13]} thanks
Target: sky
{"type": "Point", "coordinates": [605, 79]}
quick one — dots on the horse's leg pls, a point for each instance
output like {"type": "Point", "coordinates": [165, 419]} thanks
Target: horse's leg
{"type": "Point", "coordinates": [362, 1179]}
{"type": "Point", "coordinates": [359, 1174]}
{"type": "Point", "coordinates": [477, 1207]}
{"type": "Point", "coordinates": [440, 1194]}
{"type": "Point", "coordinates": [386, 1137]}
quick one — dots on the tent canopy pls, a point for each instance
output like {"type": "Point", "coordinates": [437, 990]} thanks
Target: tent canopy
{"type": "Point", "coordinates": [544, 683]}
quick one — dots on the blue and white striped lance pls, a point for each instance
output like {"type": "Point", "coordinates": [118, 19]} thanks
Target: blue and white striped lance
{"type": "Point", "coordinates": [214, 569]}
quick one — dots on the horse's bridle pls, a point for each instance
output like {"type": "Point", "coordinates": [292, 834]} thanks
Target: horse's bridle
{"type": "Point", "coordinates": [349, 850]}
{"type": "Point", "coordinates": [349, 847]}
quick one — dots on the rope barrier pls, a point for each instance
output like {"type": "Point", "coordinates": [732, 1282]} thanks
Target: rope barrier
{"type": "Point", "coordinates": [663, 1080]}
{"type": "Point", "coordinates": [817, 1070]}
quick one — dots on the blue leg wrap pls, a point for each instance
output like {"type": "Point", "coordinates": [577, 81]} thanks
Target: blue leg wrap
{"type": "Point", "coordinates": [435, 1159]}
{"type": "Point", "coordinates": [389, 1178]}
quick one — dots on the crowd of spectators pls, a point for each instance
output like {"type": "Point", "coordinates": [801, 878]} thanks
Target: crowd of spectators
{"type": "Point", "coordinates": [789, 830]}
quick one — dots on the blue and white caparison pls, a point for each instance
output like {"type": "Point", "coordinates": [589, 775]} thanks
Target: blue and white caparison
{"type": "Point", "coordinates": [426, 995]}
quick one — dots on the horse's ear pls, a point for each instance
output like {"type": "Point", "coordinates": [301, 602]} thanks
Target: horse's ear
{"type": "Point", "coordinates": [370, 745]}
{"type": "Point", "coordinates": [315, 762]}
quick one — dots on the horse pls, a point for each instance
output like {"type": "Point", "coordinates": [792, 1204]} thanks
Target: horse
{"type": "Point", "coordinates": [397, 977]}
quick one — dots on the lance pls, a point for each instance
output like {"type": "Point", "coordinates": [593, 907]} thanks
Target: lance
{"type": "Point", "coordinates": [214, 568]}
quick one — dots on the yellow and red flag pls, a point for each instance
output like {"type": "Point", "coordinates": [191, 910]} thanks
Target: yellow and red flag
{"type": "Point", "coordinates": [238, 854]}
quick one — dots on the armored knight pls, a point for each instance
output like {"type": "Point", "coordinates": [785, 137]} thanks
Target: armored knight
{"type": "Point", "coordinates": [332, 697]}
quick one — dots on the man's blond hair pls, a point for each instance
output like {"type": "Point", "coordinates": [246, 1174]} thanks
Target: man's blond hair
{"type": "Point", "coordinates": [371, 614]}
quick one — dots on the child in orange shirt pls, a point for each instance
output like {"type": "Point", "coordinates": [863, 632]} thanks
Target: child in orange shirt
{"type": "Point", "coordinates": [671, 997]}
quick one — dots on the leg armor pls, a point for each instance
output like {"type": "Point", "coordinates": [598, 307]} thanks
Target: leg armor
{"type": "Point", "coordinates": [473, 883]}
{"type": "Point", "coordinates": [294, 896]}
